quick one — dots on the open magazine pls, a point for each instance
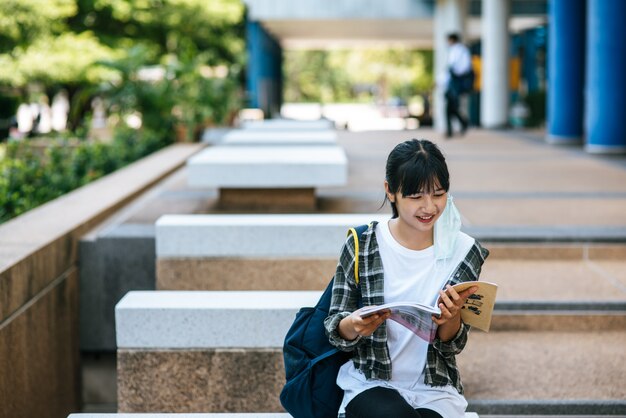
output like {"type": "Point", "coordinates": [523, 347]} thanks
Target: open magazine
{"type": "Point", "coordinates": [417, 317]}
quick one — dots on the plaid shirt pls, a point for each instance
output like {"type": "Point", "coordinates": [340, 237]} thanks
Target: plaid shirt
{"type": "Point", "coordinates": [372, 354]}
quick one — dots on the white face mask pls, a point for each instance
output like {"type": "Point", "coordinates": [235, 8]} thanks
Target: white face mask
{"type": "Point", "coordinates": [447, 229]}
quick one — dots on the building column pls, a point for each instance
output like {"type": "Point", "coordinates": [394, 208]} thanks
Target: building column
{"type": "Point", "coordinates": [450, 16]}
{"type": "Point", "coordinates": [264, 72]}
{"type": "Point", "coordinates": [605, 118]}
{"type": "Point", "coordinates": [494, 100]}
{"type": "Point", "coordinates": [566, 64]}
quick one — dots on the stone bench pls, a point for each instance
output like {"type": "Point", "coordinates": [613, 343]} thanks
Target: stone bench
{"type": "Point", "coordinates": [174, 415]}
{"type": "Point", "coordinates": [288, 125]}
{"type": "Point", "coordinates": [279, 138]}
{"type": "Point", "coordinates": [217, 415]}
{"type": "Point", "coordinates": [251, 252]}
{"type": "Point", "coordinates": [271, 177]}
{"type": "Point", "coordinates": [204, 351]}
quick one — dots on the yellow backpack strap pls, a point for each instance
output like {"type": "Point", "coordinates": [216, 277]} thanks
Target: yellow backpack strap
{"type": "Point", "coordinates": [356, 254]}
{"type": "Point", "coordinates": [356, 234]}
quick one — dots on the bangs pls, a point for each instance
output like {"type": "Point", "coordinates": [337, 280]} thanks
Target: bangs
{"type": "Point", "coordinates": [423, 175]}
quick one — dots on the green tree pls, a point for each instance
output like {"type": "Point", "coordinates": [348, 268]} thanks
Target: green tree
{"type": "Point", "coordinates": [215, 27]}
{"type": "Point", "coordinates": [22, 22]}
{"type": "Point", "coordinates": [343, 75]}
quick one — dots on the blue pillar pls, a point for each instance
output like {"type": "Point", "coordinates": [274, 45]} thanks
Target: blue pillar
{"type": "Point", "coordinates": [264, 75]}
{"type": "Point", "coordinates": [606, 77]}
{"type": "Point", "coordinates": [566, 65]}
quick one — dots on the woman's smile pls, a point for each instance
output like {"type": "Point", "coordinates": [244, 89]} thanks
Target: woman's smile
{"type": "Point", "coordinates": [425, 219]}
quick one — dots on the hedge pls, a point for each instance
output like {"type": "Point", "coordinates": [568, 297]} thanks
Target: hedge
{"type": "Point", "coordinates": [29, 178]}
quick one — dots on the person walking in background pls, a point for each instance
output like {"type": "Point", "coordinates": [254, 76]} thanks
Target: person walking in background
{"type": "Point", "coordinates": [460, 77]}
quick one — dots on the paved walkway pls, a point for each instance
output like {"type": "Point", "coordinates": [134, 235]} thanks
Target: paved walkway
{"type": "Point", "coordinates": [500, 180]}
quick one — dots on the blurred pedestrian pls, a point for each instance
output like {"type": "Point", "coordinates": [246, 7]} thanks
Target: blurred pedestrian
{"type": "Point", "coordinates": [60, 110]}
{"type": "Point", "coordinates": [460, 80]}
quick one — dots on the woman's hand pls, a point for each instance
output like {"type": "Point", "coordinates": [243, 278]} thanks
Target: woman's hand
{"type": "Point", "coordinates": [354, 325]}
{"type": "Point", "coordinates": [450, 302]}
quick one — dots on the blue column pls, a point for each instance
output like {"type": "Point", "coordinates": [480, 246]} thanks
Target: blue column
{"type": "Point", "coordinates": [264, 75]}
{"type": "Point", "coordinates": [606, 77]}
{"type": "Point", "coordinates": [566, 65]}
{"type": "Point", "coordinates": [253, 62]}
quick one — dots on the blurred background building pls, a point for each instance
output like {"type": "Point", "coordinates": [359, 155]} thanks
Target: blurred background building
{"type": "Point", "coordinates": [560, 61]}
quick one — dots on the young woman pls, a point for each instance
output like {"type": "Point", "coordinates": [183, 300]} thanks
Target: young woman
{"type": "Point", "coordinates": [415, 256]}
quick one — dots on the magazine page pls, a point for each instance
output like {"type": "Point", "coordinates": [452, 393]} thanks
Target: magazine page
{"type": "Point", "coordinates": [417, 321]}
{"type": "Point", "coordinates": [414, 316]}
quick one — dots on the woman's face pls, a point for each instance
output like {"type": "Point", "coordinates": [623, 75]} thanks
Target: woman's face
{"type": "Point", "coordinates": [420, 211]}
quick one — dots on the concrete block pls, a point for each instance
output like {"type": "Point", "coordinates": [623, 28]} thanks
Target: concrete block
{"type": "Point", "coordinates": [200, 380]}
{"type": "Point", "coordinates": [235, 273]}
{"type": "Point", "coordinates": [214, 135]}
{"type": "Point", "coordinates": [279, 138]}
{"type": "Point", "coordinates": [166, 319]}
{"type": "Point", "coordinates": [216, 415]}
{"type": "Point", "coordinates": [112, 263]}
{"type": "Point", "coordinates": [269, 167]}
{"type": "Point", "coordinates": [268, 200]}
{"type": "Point", "coordinates": [288, 125]}
{"type": "Point", "coordinates": [284, 236]}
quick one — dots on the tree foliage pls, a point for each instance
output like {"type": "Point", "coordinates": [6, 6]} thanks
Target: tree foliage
{"type": "Point", "coordinates": [58, 41]}
{"type": "Point", "coordinates": [348, 75]}
{"type": "Point", "coordinates": [214, 26]}
{"type": "Point", "coordinates": [22, 22]}
{"type": "Point", "coordinates": [57, 60]}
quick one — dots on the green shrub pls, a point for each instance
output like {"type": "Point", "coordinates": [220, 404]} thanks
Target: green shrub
{"type": "Point", "coordinates": [29, 179]}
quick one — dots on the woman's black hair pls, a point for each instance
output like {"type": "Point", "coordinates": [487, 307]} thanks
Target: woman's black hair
{"type": "Point", "coordinates": [415, 166]}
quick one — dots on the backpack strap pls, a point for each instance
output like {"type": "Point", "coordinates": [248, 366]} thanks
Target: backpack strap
{"type": "Point", "coordinates": [356, 233]}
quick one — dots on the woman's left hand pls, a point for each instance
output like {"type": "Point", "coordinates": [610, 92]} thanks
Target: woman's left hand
{"type": "Point", "coordinates": [450, 302]}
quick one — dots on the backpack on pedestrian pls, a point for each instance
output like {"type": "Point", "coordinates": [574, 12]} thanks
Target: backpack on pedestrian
{"type": "Point", "coordinates": [311, 362]}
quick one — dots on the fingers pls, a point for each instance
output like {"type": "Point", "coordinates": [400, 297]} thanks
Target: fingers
{"type": "Point", "coordinates": [366, 326]}
{"type": "Point", "coordinates": [451, 297]}
{"type": "Point", "coordinates": [451, 302]}
{"type": "Point", "coordinates": [467, 292]}
{"type": "Point", "coordinates": [439, 320]}
{"type": "Point", "coordinates": [371, 319]}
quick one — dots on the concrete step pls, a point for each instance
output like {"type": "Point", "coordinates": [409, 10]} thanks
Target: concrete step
{"type": "Point", "coordinates": [557, 372]}
{"type": "Point", "coordinates": [219, 415]}
{"type": "Point", "coordinates": [551, 371]}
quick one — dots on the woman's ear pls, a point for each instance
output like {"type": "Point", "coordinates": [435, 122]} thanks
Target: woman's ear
{"type": "Point", "coordinates": [390, 195]}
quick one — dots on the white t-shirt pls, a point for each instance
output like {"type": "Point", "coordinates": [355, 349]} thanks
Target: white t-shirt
{"type": "Point", "coordinates": [459, 58]}
{"type": "Point", "coordinates": [409, 276]}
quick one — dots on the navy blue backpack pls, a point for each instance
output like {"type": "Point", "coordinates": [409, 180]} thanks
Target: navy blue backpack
{"type": "Point", "coordinates": [311, 362]}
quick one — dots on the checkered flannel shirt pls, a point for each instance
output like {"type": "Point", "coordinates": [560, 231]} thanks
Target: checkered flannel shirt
{"type": "Point", "coordinates": [372, 354]}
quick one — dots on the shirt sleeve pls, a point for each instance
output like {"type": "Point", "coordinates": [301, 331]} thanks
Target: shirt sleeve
{"type": "Point", "coordinates": [455, 345]}
{"type": "Point", "coordinates": [344, 300]}
{"type": "Point", "coordinates": [469, 269]}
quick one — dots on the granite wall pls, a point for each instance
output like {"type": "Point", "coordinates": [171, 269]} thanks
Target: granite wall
{"type": "Point", "coordinates": [244, 273]}
{"type": "Point", "coordinates": [39, 296]}
{"type": "Point", "coordinates": [202, 380]}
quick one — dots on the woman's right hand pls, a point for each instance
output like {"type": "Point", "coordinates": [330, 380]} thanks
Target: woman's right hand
{"type": "Point", "coordinates": [354, 325]}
